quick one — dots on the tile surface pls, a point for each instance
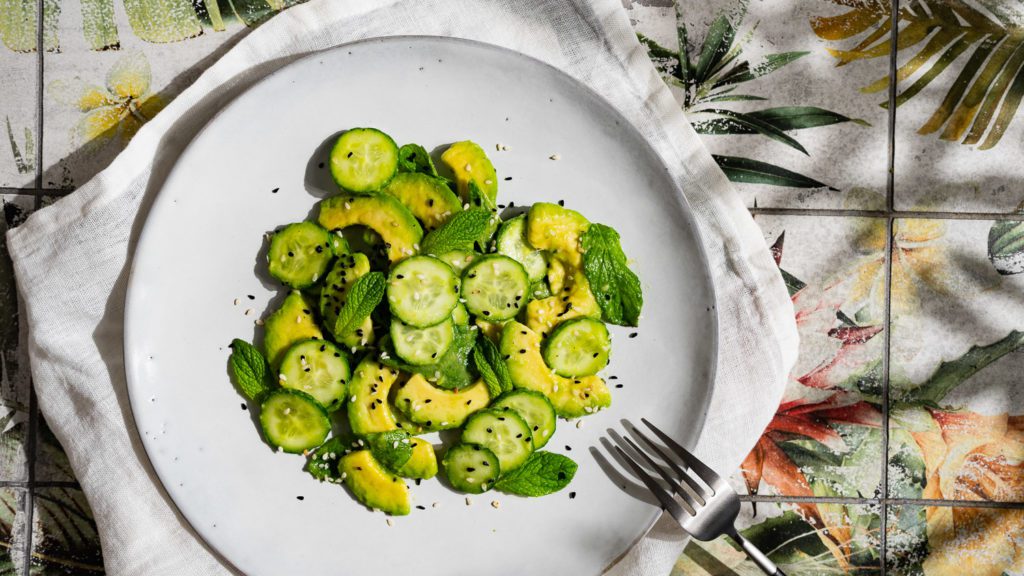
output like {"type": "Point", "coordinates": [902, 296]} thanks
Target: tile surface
{"type": "Point", "coordinates": [826, 437]}
{"type": "Point", "coordinates": [943, 541]}
{"type": "Point", "coordinates": [787, 123]}
{"type": "Point", "coordinates": [15, 379]}
{"type": "Point", "coordinates": [18, 105]}
{"type": "Point", "coordinates": [64, 538]}
{"type": "Point", "coordinates": [957, 413]}
{"type": "Point", "coordinates": [959, 131]}
{"type": "Point", "coordinates": [803, 540]}
{"type": "Point", "coordinates": [12, 530]}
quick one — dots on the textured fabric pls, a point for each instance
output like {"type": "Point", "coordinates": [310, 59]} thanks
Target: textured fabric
{"type": "Point", "coordinates": [72, 258]}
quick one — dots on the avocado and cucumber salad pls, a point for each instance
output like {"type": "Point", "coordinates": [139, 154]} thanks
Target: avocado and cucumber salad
{"type": "Point", "coordinates": [450, 319]}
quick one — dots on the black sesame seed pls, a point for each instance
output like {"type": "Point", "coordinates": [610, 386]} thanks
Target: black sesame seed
{"type": "Point", "coordinates": [323, 347]}
{"type": "Point", "coordinates": [613, 377]}
{"type": "Point", "coordinates": [596, 354]}
{"type": "Point", "coordinates": [473, 275]}
{"type": "Point", "coordinates": [434, 355]}
{"type": "Point", "coordinates": [568, 448]}
{"type": "Point", "coordinates": [523, 332]}
{"type": "Point", "coordinates": [468, 402]}
{"type": "Point", "coordinates": [486, 463]}
{"type": "Point", "coordinates": [419, 507]}
{"type": "Point", "coordinates": [520, 435]}
{"type": "Point", "coordinates": [300, 497]}
{"type": "Point", "coordinates": [360, 468]}
{"type": "Point", "coordinates": [427, 401]}
{"type": "Point", "coordinates": [250, 296]}
{"type": "Point", "coordinates": [430, 202]}
{"type": "Point", "coordinates": [274, 191]}
{"type": "Point", "coordinates": [618, 385]}
{"type": "Point", "coordinates": [418, 480]}
{"type": "Point", "coordinates": [489, 431]}
{"type": "Point", "coordinates": [470, 469]}
{"type": "Point", "coordinates": [319, 249]}
{"type": "Point", "coordinates": [430, 423]}
{"type": "Point", "coordinates": [507, 178]}
{"type": "Point", "coordinates": [561, 202]}
{"type": "Point", "coordinates": [379, 401]}
{"type": "Point", "coordinates": [305, 369]}
{"type": "Point", "coordinates": [349, 155]}
{"type": "Point", "coordinates": [572, 495]}
{"type": "Point", "coordinates": [291, 254]}
{"type": "Point", "coordinates": [399, 276]}
{"type": "Point", "coordinates": [487, 312]}
{"type": "Point", "coordinates": [320, 165]}
{"type": "Point", "coordinates": [502, 418]}
{"type": "Point", "coordinates": [561, 475]}
{"type": "Point", "coordinates": [632, 334]}
{"type": "Point", "coordinates": [373, 405]}
{"type": "Point", "coordinates": [522, 350]}
{"type": "Point", "coordinates": [244, 407]}
{"type": "Point", "coordinates": [535, 428]}
{"type": "Point", "coordinates": [511, 204]}
{"type": "Point", "coordinates": [506, 356]}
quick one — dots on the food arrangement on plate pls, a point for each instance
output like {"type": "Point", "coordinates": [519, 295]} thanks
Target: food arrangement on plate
{"type": "Point", "coordinates": [412, 307]}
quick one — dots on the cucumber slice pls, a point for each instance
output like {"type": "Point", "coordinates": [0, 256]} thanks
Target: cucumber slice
{"type": "Point", "coordinates": [422, 291]}
{"type": "Point", "coordinates": [495, 287]}
{"type": "Point", "coordinates": [511, 241]}
{"type": "Point", "coordinates": [339, 245]}
{"type": "Point", "coordinates": [317, 368]}
{"type": "Point", "coordinates": [458, 259]}
{"type": "Point", "coordinates": [536, 410]}
{"type": "Point", "coordinates": [364, 160]}
{"type": "Point", "coordinates": [293, 421]}
{"type": "Point", "coordinates": [299, 254]}
{"type": "Point", "coordinates": [460, 315]}
{"type": "Point", "coordinates": [471, 468]}
{"type": "Point", "coordinates": [578, 347]}
{"type": "Point", "coordinates": [503, 432]}
{"type": "Point", "coordinates": [421, 346]}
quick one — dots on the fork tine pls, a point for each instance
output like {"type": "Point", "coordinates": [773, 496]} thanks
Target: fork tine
{"type": "Point", "coordinates": [661, 472]}
{"type": "Point", "coordinates": [698, 492]}
{"type": "Point", "coordinates": [706, 474]}
{"type": "Point", "coordinates": [667, 503]}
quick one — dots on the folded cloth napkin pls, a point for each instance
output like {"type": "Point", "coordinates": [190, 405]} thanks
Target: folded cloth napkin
{"type": "Point", "coordinates": [72, 259]}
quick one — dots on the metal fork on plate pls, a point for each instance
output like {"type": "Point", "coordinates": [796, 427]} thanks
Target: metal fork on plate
{"type": "Point", "coordinates": [705, 512]}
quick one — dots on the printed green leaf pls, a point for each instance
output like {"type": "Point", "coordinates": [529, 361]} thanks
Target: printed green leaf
{"type": "Point", "coordinates": [750, 171]}
{"type": "Point", "coordinates": [800, 117]}
{"type": "Point", "coordinates": [392, 448]}
{"type": "Point", "coordinates": [415, 158]}
{"type": "Point", "coordinates": [366, 293]}
{"type": "Point", "coordinates": [323, 462]}
{"type": "Point", "coordinates": [18, 25]}
{"type": "Point", "coordinates": [492, 367]}
{"type": "Point", "coordinates": [1006, 247]}
{"type": "Point", "coordinates": [98, 24]}
{"type": "Point", "coordinates": [162, 20]}
{"type": "Point", "coordinates": [748, 124]}
{"type": "Point", "coordinates": [250, 369]}
{"type": "Point", "coordinates": [952, 373]}
{"type": "Point", "coordinates": [615, 286]}
{"type": "Point", "coordinates": [744, 73]}
{"type": "Point", "coordinates": [793, 284]}
{"type": "Point", "coordinates": [665, 61]}
{"type": "Point", "coordinates": [461, 232]}
{"type": "Point", "coordinates": [543, 473]}
{"type": "Point", "coordinates": [720, 97]}
{"type": "Point", "coordinates": [716, 45]}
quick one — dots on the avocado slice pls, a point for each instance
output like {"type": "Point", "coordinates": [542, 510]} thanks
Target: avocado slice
{"type": "Point", "coordinates": [556, 229]}
{"type": "Point", "coordinates": [436, 408]}
{"type": "Point", "coordinates": [346, 270]}
{"type": "Point", "coordinates": [373, 485]}
{"type": "Point", "coordinates": [575, 300]}
{"type": "Point", "coordinates": [571, 397]}
{"type": "Point", "coordinates": [469, 163]}
{"type": "Point", "coordinates": [428, 198]}
{"type": "Point", "coordinates": [292, 322]}
{"type": "Point", "coordinates": [382, 213]}
{"type": "Point", "coordinates": [368, 408]}
{"type": "Point", "coordinates": [423, 462]}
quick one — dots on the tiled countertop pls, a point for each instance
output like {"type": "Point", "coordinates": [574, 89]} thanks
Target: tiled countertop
{"type": "Point", "coordinates": [899, 447]}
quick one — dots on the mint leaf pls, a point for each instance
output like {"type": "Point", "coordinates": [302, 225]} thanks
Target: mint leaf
{"type": "Point", "coordinates": [478, 197]}
{"type": "Point", "coordinates": [365, 294]}
{"type": "Point", "coordinates": [392, 448]}
{"type": "Point", "coordinates": [450, 371]}
{"type": "Point", "coordinates": [323, 462]}
{"type": "Point", "coordinates": [461, 232]}
{"type": "Point", "coordinates": [543, 473]}
{"type": "Point", "coordinates": [615, 286]}
{"type": "Point", "coordinates": [250, 369]}
{"type": "Point", "coordinates": [415, 158]}
{"type": "Point", "coordinates": [492, 367]}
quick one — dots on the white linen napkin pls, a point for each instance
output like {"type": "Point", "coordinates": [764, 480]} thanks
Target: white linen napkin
{"type": "Point", "coordinates": [72, 259]}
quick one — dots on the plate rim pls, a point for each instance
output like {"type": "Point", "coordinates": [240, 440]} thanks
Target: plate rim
{"type": "Point", "coordinates": [134, 284]}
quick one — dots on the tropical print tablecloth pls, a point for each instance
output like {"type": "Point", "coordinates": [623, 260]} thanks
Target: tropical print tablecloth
{"type": "Point", "coordinates": [879, 147]}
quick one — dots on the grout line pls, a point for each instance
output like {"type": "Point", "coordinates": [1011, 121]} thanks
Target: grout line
{"type": "Point", "coordinates": [894, 501]}
{"type": "Point", "coordinates": [35, 192]}
{"type": "Point", "coordinates": [920, 214]}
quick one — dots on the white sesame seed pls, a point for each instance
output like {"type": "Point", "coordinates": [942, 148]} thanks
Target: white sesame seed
{"type": "Point", "coordinates": [444, 423]}
{"type": "Point", "coordinates": [282, 377]}
{"type": "Point", "coordinates": [344, 475]}
{"type": "Point", "coordinates": [353, 398]}
{"type": "Point", "coordinates": [315, 276]}
{"type": "Point", "coordinates": [405, 440]}
{"type": "Point", "coordinates": [470, 480]}
{"type": "Point", "coordinates": [348, 206]}
{"type": "Point", "coordinates": [435, 505]}
{"type": "Point", "coordinates": [259, 321]}
{"type": "Point", "coordinates": [390, 523]}
{"type": "Point", "coordinates": [483, 487]}
{"type": "Point", "coordinates": [236, 301]}
{"type": "Point", "coordinates": [495, 504]}
{"type": "Point", "coordinates": [554, 157]}
{"type": "Point", "coordinates": [465, 206]}
{"type": "Point", "coordinates": [579, 423]}
{"type": "Point", "coordinates": [287, 410]}
{"type": "Point", "coordinates": [488, 182]}
{"type": "Point", "coordinates": [497, 147]}
{"type": "Point", "coordinates": [298, 319]}
{"type": "Point", "coordinates": [360, 442]}
{"type": "Point", "coordinates": [468, 501]}
{"type": "Point", "coordinates": [248, 311]}
{"type": "Point", "coordinates": [395, 444]}
{"type": "Point", "coordinates": [469, 167]}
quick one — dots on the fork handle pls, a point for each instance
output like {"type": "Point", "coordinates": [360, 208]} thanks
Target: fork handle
{"type": "Point", "coordinates": [756, 555]}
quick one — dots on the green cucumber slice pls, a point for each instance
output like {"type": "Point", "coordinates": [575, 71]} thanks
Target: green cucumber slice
{"type": "Point", "coordinates": [495, 287]}
{"type": "Point", "coordinates": [317, 368]}
{"type": "Point", "coordinates": [421, 346]}
{"type": "Point", "coordinates": [293, 421]}
{"type": "Point", "coordinates": [460, 315]}
{"type": "Point", "coordinates": [299, 254]}
{"type": "Point", "coordinates": [422, 291]}
{"type": "Point", "coordinates": [364, 160]}
{"type": "Point", "coordinates": [503, 432]}
{"type": "Point", "coordinates": [471, 468]}
{"type": "Point", "coordinates": [536, 410]}
{"type": "Point", "coordinates": [578, 347]}
{"type": "Point", "coordinates": [458, 259]}
{"type": "Point", "coordinates": [511, 241]}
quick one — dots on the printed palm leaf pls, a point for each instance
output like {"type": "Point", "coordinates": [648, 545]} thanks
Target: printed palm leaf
{"type": "Point", "coordinates": [1006, 245]}
{"type": "Point", "coordinates": [984, 47]}
{"type": "Point", "coordinates": [709, 79]}
{"type": "Point", "coordinates": [66, 540]}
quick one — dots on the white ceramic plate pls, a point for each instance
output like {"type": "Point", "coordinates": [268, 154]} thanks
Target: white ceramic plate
{"type": "Point", "coordinates": [202, 247]}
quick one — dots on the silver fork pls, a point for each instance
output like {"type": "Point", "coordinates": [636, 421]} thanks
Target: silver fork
{"type": "Point", "coordinates": [705, 512]}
